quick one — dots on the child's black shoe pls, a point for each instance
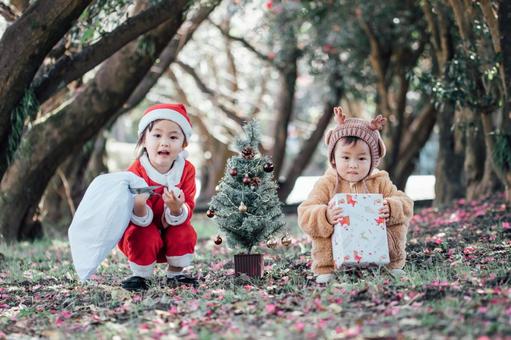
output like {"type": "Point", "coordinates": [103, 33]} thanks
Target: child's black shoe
{"type": "Point", "coordinates": [135, 284]}
{"type": "Point", "coordinates": [181, 279]}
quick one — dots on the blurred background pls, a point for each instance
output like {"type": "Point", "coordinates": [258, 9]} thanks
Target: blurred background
{"type": "Point", "coordinates": [76, 76]}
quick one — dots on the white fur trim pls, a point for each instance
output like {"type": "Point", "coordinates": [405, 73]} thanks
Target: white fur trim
{"type": "Point", "coordinates": [180, 261]}
{"type": "Point", "coordinates": [143, 221]}
{"type": "Point", "coordinates": [176, 220]}
{"type": "Point", "coordinates": [142, 271]}
{"type": "Point", "coordinates": [184, 154]}
{"type": "Point", "coordinates": [171, 178]}
{"type": "Point", "coordinates": [167, 114]}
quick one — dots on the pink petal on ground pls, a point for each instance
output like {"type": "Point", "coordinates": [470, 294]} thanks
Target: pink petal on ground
{"type": "Point", "coordinates": [299, 326]}
{"type": "Point", "coordinates": [271, 308]}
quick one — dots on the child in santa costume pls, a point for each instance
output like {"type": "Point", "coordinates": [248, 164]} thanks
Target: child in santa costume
{"type": "Point", "coordinates": [160, 229]}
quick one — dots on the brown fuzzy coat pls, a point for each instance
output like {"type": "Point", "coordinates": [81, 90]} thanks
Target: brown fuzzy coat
{"type": "Point", "coordinates": [313, 221]}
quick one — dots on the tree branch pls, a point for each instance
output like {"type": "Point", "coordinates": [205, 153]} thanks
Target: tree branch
{"type": "Point", "coordinates": [377, 63]}
{"type": "Point", "coordinates": [308, 146]}
{"type": "Point", "coordinates": [460, 16]}
{"type": "Point", "coordinates": [248, 46]}
{"type": "Point", "coordinates": [183, 98]}
{"type": "Point", "coordinates": [210, 93]}
{"type": "Point", "coordinates": [169, 54]}
{"type": "Point", "coordinates": [70, 68]}
{"type": "Point", "coordinates": [24, 46]}
{"type": "Point", "coordinates": [8, 13]}
{"type": "Point", "coordinates": [492, 21]}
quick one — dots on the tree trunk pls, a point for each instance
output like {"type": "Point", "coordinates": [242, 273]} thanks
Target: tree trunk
{"type": "Point", "coordinates": [71, 67]}
{"type": "Point", "coordinates": [285, 105]}
{"type": "Point", "coordinates": [504, 18]}
{"type": "Point", "coordinates": [67, 187]}
{"type": "Point", "coordinates": [20, 5]}
{"type": "Point", "coordinates": [50, 142]}
{"type": "Point", "coordinates": [24, 46]}
{"type": "Point", "coordinates": [449, 165]}
{"type": "Point", "coordinates": [212, 169]}
{"type": "Point", "coordinates": [475, 153]}
{"type": "Point", "coordinates": [309, 146]}
{"type": "Point", "coordinates": [414, 139]}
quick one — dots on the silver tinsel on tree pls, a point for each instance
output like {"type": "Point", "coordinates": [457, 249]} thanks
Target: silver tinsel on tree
{"type": "Point", "coordinates": [246, 206]}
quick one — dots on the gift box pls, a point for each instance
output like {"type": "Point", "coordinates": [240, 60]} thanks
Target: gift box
{"type": "Point", "coordinates": [360, 239]}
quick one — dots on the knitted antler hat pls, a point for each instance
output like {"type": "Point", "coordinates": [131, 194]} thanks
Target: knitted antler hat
{"type": "Point", "coordinates": [368, 131]}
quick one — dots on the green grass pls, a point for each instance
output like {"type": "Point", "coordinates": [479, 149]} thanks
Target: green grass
{"type": "Point", "coordinates": [446, 293]}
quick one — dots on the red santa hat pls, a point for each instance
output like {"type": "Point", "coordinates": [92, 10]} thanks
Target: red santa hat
{"type": "Point", "coordinates": [173, 112]}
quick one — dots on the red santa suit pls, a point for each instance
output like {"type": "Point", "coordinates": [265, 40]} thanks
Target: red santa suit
{"type": "Point", "coordinates": [160, 236]}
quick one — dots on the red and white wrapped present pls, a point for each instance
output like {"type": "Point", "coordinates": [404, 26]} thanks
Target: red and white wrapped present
{"type": "Point", "coordinates": [360, 238]}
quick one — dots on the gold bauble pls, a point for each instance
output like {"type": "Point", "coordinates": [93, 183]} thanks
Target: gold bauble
{"type": "Point", "coordinates": [286, 241]}
{"type": "Point", "coordinates": [242, 208]}
{"type": "Point", "coordinates": [272, 243]}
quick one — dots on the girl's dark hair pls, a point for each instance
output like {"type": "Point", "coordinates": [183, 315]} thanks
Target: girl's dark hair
{"type": "Point", "coordinates": [139, 149]}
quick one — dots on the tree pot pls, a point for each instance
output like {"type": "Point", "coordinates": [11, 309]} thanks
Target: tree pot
{"type": "Point", "coordinates": [250, 264]}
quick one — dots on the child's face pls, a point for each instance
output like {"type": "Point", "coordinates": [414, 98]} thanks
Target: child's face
{"type": "Point", "coordinates": [163, 143]}
{"type": "Point", "coordinates": [352, 161]}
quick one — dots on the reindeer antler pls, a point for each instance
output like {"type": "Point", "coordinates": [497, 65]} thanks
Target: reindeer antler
{"type": "Point", "coordinates": [338, 115]}
{"type": "Point", "coordinates": [377, 123]}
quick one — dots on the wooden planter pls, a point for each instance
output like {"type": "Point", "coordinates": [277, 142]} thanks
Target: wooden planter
{"type": "Point", "coordinates": [250, 264]}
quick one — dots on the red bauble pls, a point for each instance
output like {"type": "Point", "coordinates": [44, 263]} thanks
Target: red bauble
{"type": "Point", "coordinates": [246, 179]}
{"type": "Point", "coordinates": [268, 167]}
{"type": "Point", "coordinates": [218, 240]}
{"type": "Point", "coordinates": [233, 172]}
{"type": "Point", "coordinates": [210, 213]}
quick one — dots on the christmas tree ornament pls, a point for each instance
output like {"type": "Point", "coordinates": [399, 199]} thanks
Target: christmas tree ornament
{"type": "Point", "coordinates": [248, 152]}
{"type": "Point", "coordinates": [256, 181]}
{"type": "Point", "coordinates": [246, 225]}
{"type": "Point", "coordinates": [285, 240]}
{"type": "Point", "coordinates": [233, 172]}
{"type": "Point", "coordinates": [268, 167]}
{"type": "Point", "coordinates": [246, 179]}
{"type": "Point", "coordinates": [217, 188]}
{"type": "Point", "coordinates": [218, 240]}
{"type": "Point", "coordinates": [210, 213]}
{"type": "Point", "coordinates": [271, 243]}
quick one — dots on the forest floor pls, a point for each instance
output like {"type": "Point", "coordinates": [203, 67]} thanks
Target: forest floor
{"type": "Point", "coordinates": [458, 285]}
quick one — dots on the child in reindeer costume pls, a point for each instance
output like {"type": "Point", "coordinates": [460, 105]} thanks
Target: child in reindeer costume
{"type": "Point", "coordinates": [355, 148]}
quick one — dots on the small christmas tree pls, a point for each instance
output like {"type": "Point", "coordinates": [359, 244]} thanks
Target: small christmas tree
{"type": "Point", "coordinates": [246, 206]}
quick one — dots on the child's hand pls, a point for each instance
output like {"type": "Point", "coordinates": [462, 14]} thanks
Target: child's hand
{"type": "Point", "coordinates": [385, 210]}
{"type": "Point", "coordinates": [333, 213]}
{"type": "Point", "coordinates": [139, 208]}
{"type": "Point", "coordinates": [172, 202]}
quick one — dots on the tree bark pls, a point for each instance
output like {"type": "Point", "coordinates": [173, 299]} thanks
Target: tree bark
{"type": "Point", "coordinates": [50, 142]}
{"type": "Point", "coordinates": [475, 153]}
{"type": "Point", "coordinates": [504, 23]}
{"type": "Point", "coordinates": [213, 167]}
{"type": "Point", "coordinates": [76, 173]}
{"type": "Point", "coordinates": [308, 147]}
{"type": "Point", "coordinates": [20, 5]}
{"type": "Point", "coordinates": [416, 136]}
{"type": "Point", "coordinates": [449, 166]}
{"type": "Point", "coordinates": [285, 106]}
{"type": "Point", "coordinates": [168, 56]}
{"type": "Point", "coordinates": [24, 46]}
{"type": "Point", "coordinates": [71, 67]}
